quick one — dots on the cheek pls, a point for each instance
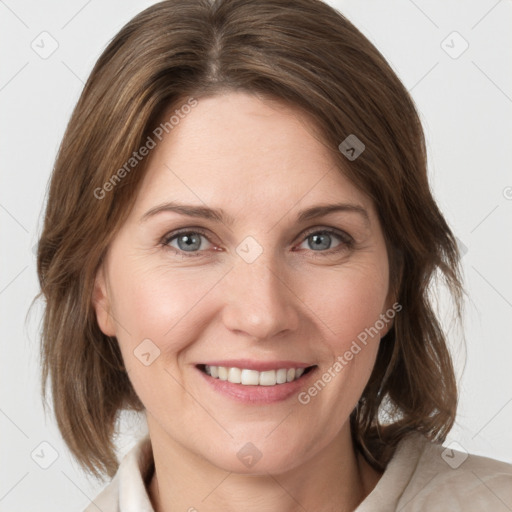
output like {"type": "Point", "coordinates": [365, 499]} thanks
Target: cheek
{"type": "Point", "coordinates": [349, 302]}
{"type": "Point", "coordinates": [169, 308]}
{"type": "Point", "coordinates": [159, 304]}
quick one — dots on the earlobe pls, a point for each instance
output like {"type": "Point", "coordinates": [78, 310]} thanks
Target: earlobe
{"type": "Point", "coordinates": [388, 316]}
{"type": "Point", "coordinates": [101, 304]}
{"type": "Point", "coordinates": [386, 329]}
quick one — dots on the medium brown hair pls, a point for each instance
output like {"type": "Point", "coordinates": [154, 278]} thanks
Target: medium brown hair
{"type": "Point", "coordinates": [303, 53]}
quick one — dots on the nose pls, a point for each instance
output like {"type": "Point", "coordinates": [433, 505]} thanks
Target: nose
{"type": "Point", "coordinates": [258, 301]}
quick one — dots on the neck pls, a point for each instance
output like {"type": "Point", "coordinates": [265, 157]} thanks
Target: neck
{"type": "Point", "coordinates": [335, 479]}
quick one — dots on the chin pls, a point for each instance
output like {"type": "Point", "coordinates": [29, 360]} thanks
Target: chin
{"type": "Point", "coordinates": [256, 458]}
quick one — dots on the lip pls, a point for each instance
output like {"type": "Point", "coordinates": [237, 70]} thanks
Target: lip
{"type": "Point", "coordinates": [260, 366]}
{"type": "Point", "coordinates": [258, 394]}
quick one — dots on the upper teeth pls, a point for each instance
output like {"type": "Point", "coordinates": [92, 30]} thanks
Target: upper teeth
{"type": "Point", "coordinates": [253, 377]}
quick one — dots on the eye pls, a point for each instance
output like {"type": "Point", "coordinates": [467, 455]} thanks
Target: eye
{"type": "Point", "coordinates": [193, 242]}
{"type": "Point", "coordinates": [327, 241]}
{"type": "Point", "coordinates": [190, 242]}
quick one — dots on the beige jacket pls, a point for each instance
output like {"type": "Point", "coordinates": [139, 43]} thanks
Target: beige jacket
{"type": "Point", "coordinates": [420, 477]}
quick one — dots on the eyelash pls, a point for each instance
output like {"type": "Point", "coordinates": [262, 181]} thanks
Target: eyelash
{"type": "Point", "coordinates": [346, 241]}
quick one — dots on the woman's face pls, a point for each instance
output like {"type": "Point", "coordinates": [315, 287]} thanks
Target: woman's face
{"type": "Point", "coordinates": [260, 278]}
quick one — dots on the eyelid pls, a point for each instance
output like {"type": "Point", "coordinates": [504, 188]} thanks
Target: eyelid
{"type": "Point", "coordinates": [181, 231]}
{"type": "Point", "coordinates": [319, 229]}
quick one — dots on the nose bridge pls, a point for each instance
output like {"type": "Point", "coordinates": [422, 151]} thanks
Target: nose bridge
{"type": "Point", "coordinates": [259, 302]}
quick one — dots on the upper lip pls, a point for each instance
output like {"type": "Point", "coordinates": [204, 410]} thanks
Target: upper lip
{"type": "Point", "coordinates": [261, 366]}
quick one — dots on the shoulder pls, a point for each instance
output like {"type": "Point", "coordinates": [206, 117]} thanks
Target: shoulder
{"type": "Point", "coordinates": [108, 499]}
{"type": "Point", "coordinates": [423, 476]}
{"type": "Point", "coordinates": [127, 490]}
{"type": "Point", "coordinates": [448, 478]}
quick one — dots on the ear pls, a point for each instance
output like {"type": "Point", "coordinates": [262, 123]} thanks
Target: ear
{"type": "Point", "coordinates": [388, 326]}
{"type": "Point", "coordinates": [101, 304]}
{"type": "Point", "coordinates": [392, 307]}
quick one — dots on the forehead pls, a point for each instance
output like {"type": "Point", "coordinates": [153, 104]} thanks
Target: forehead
{"type": "Point", "coordinates": [241, 153]}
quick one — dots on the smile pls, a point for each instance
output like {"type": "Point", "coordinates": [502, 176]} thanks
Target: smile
{"type": "Point", "coordinates": [248, 377]}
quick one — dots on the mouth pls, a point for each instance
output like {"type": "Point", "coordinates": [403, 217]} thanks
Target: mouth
{"type": "Point", "coordinates": [250, 377]}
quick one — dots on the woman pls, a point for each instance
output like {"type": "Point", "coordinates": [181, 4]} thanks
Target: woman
{"type": "Point", "coordinates": [239, 242]}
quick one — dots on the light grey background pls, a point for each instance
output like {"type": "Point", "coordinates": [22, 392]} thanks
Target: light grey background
{"type": "Point", "coordinates": [465, 100]}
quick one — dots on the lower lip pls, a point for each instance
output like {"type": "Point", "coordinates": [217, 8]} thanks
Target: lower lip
{"type": "Point", "coordinates": [258, 394]}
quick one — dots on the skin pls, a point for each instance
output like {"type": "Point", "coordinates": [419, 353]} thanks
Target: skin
{"type": "Point", "coordinates": [258, 161]}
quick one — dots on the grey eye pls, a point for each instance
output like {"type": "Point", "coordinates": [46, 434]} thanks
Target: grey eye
{"type": "Point", "coordinates": [320, 241]}
{"type": "Point", "coordinates": [188, 242]}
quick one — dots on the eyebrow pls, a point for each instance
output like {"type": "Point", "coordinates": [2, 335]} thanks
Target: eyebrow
{"type": "Point", "coordinates": [218, 215]}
